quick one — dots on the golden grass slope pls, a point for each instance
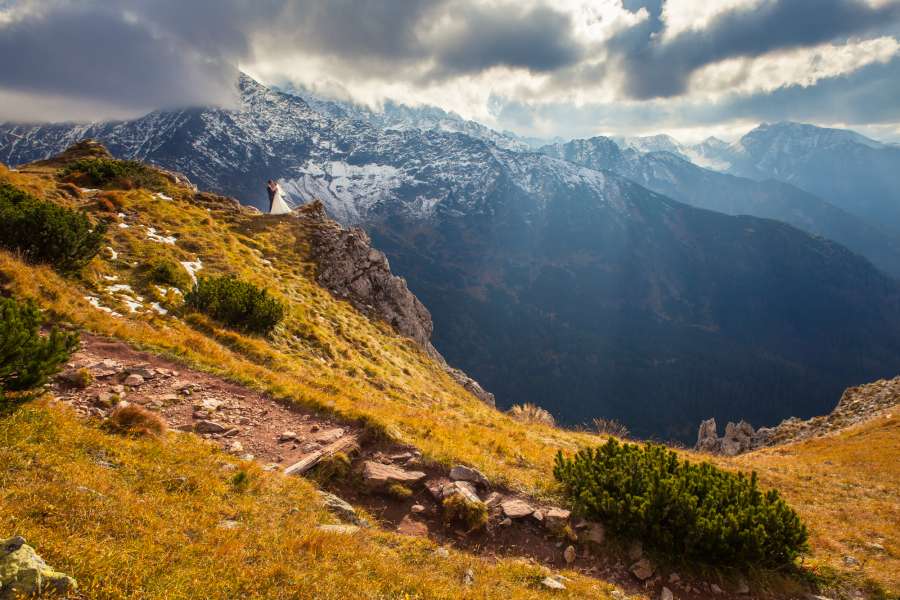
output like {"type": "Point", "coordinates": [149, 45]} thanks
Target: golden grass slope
{"type": "Point", "coordinates": [846, 487]}
{"type": "Point", "coordinates": [327, 355]}
{"type": "Point", "coordinates": [166, 519]}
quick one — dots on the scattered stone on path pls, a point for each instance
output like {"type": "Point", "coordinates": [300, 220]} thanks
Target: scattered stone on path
{"type": "Point", "coordinates": [235, 447]}
{"type": "Point", "coordinates": [493, 499]}
{"type": "Point", "coordinates": [715, 589]}
{"type": "Point", "coordinates": [666, 594]}
{"type": "Point", "coordinates": [463, 488]}
{"type": "Point", "coordinates": [464, 473]}
{"type": "Point", "coordinates": [642, 569]}
{"type": "Point", "coordinates": [569, 554]}
{"type": "Point", "coordinates": [378, 475]}
{"type": "Point", "coordinates": [416, 509]}
{"type": "Point", "coordinates": [287, 436]}
{"type": "Point", "coordinates": [23, 573]}
{"type": "Point", "coordinates": [556, 519]}
{"type": "Point", "coordinates": [516, 509]}
{"type": "Point", "coordinates": [134, 380]}
{"type": "Point", "coordinates": [329, 435]}
{"type": "Point", "coordinates": [206, 426]}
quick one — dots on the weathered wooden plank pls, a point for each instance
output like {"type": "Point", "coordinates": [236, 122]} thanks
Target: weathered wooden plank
{"type": "Point", "coordinates": [312, 459]}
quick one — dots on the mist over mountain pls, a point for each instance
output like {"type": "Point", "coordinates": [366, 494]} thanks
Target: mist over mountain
{"type": "Point", "coordinates": [670, 172]}
{"type": "Point", "coordinates": [551, 282]}
{"type": "Point", "coordinates": [855, 173]}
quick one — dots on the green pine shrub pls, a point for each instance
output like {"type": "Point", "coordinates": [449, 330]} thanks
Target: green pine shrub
{"type": "Point", "coordinates": [681, 508]}
{"type": "Point", "coordinates": [168, 273]}
{"type": "Point", "coordinates": [109, 173]}
{"type": "Point", "coordinates": [28, 359]}
{"type": "Point", "coordinates": [235, 303]}
{"type": "Point", "coordinates": [44, 232]}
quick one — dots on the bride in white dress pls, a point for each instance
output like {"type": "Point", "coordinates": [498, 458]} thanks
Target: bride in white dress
{"type": "Point", "coordinates": [279, 203]}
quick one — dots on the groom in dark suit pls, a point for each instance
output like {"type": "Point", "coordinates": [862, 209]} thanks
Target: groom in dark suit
{"type": "Point", "coordinates": [271, 187]}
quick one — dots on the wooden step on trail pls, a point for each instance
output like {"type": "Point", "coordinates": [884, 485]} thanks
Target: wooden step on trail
{"type": "Point", "coordinates": [308, 461]}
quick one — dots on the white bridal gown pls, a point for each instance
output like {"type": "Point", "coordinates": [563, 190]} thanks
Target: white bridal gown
{"type": "Point", "coordinates": [279, 204]}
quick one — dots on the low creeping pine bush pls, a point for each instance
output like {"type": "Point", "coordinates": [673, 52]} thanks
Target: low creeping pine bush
{"type": "Point", "coordinates": [28, 359]}
{"type": "Point", "coordinates": [682, 508]}
{"type": "Point", "coordinates": [45, 232]}
{"type": "Point", "coordinates": [112, 173]}
{"type": "Point", "coordinates": [236, 304]}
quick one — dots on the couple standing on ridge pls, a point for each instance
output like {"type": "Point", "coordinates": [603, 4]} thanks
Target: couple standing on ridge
{"type": "Point", "coordinates": [277, 203]}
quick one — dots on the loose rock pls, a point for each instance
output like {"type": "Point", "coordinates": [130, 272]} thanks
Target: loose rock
{"type": "Point", "coordinates": [464, 473]}
{"type": "Point", "coordinates": [341, 509]}
{"type": "Point", "coordinates": [24, 573]}
{"type": "Point", "coordinates": [666, 594]}
{"type": "Point", "coordinates": [569, 554]}
{"type": "Point", "coordinates": [134, 380]}
{"type": "Point", "coordinates": [642, 569]}
{"type": "Point", "coordinates": [377, 475]}
{"type": "Point", "coordinates": [206, 426]}
{"type": "Point", "coordinates": [516, 509]}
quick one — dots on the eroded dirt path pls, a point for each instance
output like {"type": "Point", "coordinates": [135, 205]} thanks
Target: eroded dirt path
{"type": "Point", "coordinates": [255, 426]}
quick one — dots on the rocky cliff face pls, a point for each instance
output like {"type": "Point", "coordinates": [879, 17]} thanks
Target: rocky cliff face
{"type": "Point", "coordinates": [857, 404]}
{"type": "Point", "coordinates": [351, 268]}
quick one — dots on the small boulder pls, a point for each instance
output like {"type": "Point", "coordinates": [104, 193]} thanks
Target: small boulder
{"type": "Point", "coordinates": [642, 569]}
{"type": "Point", "coordinates": [464, 473]}
{"type": "Point", "coordinates": [206, 426]}
{"type": "Point", "coordinates": [329, 435]}
{"type": "Point", "coordinates": [666, 594]}
{"type": "Point", "coordinates": [341, 509]}
{"type": "Point", "coordinates": [416, 509]}
{"type": "Point", "coordinates": [287, 436]}
{"type": "Point", "coordinates": [377, 475]}
{"type": "Point", "coordinates": [134, 380]}
{"type": "Point", "coordinates": [516, 509]}
{"type": "Point", "coordinates": [24, 573]}
{"type": "Point", "coordinates": [556, 519]}
{"type": "Point", "coordinates": [493, 499]}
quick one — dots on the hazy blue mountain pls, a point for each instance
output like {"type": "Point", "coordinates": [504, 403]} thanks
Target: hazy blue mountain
{"type": "Point", "coordinates": [855, 173]}
{"type": "Point", "coordinates": [676, 177]}
{"type": "Point", "coordinates": [550, 282]}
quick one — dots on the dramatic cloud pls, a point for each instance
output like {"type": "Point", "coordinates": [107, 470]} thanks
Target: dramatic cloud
{"type": "Point", "coordinates": [539, 67]}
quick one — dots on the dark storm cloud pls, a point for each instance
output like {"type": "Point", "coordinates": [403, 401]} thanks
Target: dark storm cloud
{"type": "Point", "coordinates": [145, 54]}
{"type": "Point", "coordinates": [539, 40]}
{"type": "Point", "coordinates": [661, 69]}
{"type": "Point", "coordinates": [89, 52]}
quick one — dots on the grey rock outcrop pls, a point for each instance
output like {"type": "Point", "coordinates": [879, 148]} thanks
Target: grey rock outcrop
{"type": "Point", "coordinates": [739, 437]}
{"type": "Point", "coordinates": [857, 404]}
{"type": "Point", "coordinates": [23, 573]}
{"type": "Point", "coordinates": [352, 269]}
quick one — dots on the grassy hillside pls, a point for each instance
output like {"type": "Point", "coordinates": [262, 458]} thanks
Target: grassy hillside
{"type": "Point", "coordinates": [146, 539]}
{"type": "Point", "coordinates": [847, 487]}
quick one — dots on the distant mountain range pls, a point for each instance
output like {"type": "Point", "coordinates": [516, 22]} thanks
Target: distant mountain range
{"type": "Point", "coordinates": [551, 281]}
{"type": "Point", "coordinates": [669, 172]}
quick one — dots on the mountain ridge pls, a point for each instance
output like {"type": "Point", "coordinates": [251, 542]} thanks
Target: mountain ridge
{"type": "Point", "coordinates": [549, 282]}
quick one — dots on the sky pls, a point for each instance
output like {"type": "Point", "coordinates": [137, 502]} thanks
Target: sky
{"type": "Point", "coordinates": [543, 68]}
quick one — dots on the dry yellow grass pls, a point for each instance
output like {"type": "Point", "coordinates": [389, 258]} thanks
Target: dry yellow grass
{"type": "Point", "coordinates": [329, 356]}
{"type": "Point", "coordinates": [846, 487]}
{"type": "Point", "coordinates": [162, 518]}
{"type": "Point", "coordinates": [325, 354]}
